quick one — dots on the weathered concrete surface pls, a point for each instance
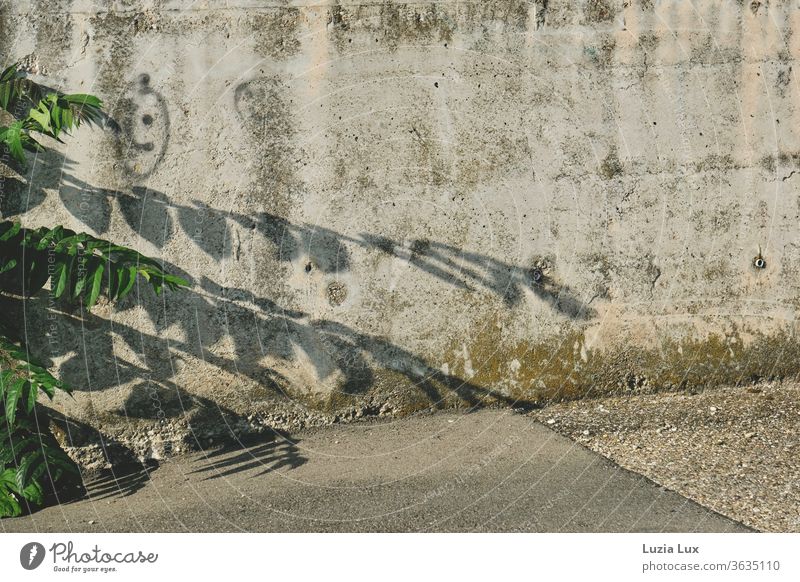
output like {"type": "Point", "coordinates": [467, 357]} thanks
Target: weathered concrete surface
{"type": "Point", "coordinates": [487, 471]}
{"type": "Point", "coordinates": [389, 206]}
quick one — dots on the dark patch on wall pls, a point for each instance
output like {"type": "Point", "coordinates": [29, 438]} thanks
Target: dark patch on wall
{"type": "Point", "coordinates": [611, 165]}
{"type": "Point", "coordinates": [600, 11]}
{"type": "Point", "coordinates": [767, 162]}
{"type": "Point", "coordinates": [6, 32]}
{"type": "Point", "coordinates": [276, 32]}
{"type": "Point", "coordinates": [402, 24]}
{"type": "Point", "coordinates": [715, 162]}
{"type": "Point", "coordinates": [113, 33]}
{"type": "Point", "coordinates": [336, 293]}
{"type": "Point", "coordinates": [54, 26]}
{"type": "Point", "coordinates": [491, 156]}
{"type": "Point", "coordinates": [603, 53]}
{"type": "Point", "coordinates": [267, 123]}
{"type": "Point", "coordinates": [391, 24]}
{"type": "Point", "coordinates": [541, 13]}
{"type": "Point", "coordinates": [338, 18]}
{"type": "Point", "coordinates": [409, 24]}
{"type": "Point", "coordinates": [783, 79]}
{"type": "Point", "coordinates": [396, 24]}
{"type": "Point", "coordinates": [514, 13]}
{"type": "Point", "coordinates": [648, 43]}
{"type": "Point", "coordinates": [266, 119]}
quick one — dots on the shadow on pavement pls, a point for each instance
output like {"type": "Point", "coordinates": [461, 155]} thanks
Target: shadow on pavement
{"type": "Point", "coordinates": [265, 453]}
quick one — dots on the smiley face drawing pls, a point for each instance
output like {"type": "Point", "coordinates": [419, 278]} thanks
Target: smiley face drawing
{"type": "Point", "coordinates": [144, 129]}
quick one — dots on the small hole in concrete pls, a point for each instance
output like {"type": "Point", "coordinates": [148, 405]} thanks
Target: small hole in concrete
{"type": "Point", "coordinates": [308, 267]}
{"type": "Point", "coordinates": [759, 262]}
{"type": "Point", "coordinates": [537, 275]}
{"type": "Point", "coordinates": [147, 119]}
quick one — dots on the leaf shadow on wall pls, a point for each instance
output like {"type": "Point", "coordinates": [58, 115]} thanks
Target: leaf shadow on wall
{"type": "Point", "coordinates": [258, 326]}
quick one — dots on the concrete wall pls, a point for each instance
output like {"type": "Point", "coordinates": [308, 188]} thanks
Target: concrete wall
{"type": "Point", "coordinates": [388, 206]}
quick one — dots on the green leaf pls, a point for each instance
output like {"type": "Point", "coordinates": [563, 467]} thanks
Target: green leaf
{"type": "Point", "coordinates": [12, 136]}
{"type": "Point", "coordinates": [79, 284]}
{"type": "Point", "coordinates": [15, 87]}
{"type": "Point", "coordinates": [115, 282]}
{"type": "Point", "coordinates": [9, 506]}
{"type": "Point", "coordinates": [97, 281]}
{"type": "Point", "coordinates": [130, 279]}
{"type": "Point", "coordinates": [42, 118]}
{"type": "Point", "coordinates": [174, 282]}
{"type": "Point", "coordinates": [8, 265]}
{"type": "Point", "coordinates": [6, 377]}
{"type": "Point", "coordinates": [48, 236]}
{"type": "Point", "coordinates": [24, 467]}
{"type": "Point", "coordinates": [33, 392]}
{"type": "Point", "coordinates": [83, 100]}
{"type": "Point", "coordinates": [10, 85]}
{"type": "Point", "coordinates": [8, 478]}
{"type": "Point", "coordinates": [19, 367]}
{"type": "Point", "coordinates": [34, 492]}
{"type": "Point", "coordinates": [13, 392]}
{"type": "Point", "coordinates": [62, 270]}
{"type": "Point", "coordinates": [9, 230]}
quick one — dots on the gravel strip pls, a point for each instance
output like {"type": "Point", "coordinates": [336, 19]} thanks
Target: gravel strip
{"type": "Point", "coordinates": [734, 450]}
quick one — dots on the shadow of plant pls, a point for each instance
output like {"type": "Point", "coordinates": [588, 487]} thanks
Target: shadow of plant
{"type": "Point", "coordinates": [115, 471]}
{"type": "Point", "coordinates": [153, 216]}
{"type": "Point", "coordinates": [255, 326]}
{"type": "Point", "coordinates": [263, 453]}
{"type": "Point", "coordinates": [119, 480]}
{"type": "Point", "coordinates": [258, 326]}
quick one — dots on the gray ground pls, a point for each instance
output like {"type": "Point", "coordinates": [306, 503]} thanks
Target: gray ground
{"type": "Point", "coordinates": [491, 470]}
{"type": "Point", "coordinates": [732, 449]}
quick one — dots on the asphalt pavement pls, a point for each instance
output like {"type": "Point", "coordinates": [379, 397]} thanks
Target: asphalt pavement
{"type": "Point", "coordinates": [490, 470]}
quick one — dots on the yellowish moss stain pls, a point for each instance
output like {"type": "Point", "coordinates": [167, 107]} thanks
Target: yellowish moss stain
{"type": "Point", "coordinates": [486, 368]}
{"type": "Point", "coordinates": [563, 367]}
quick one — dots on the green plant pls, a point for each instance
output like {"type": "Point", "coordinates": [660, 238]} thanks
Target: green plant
{"type": "Point", "coordinates": [76, 266]}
